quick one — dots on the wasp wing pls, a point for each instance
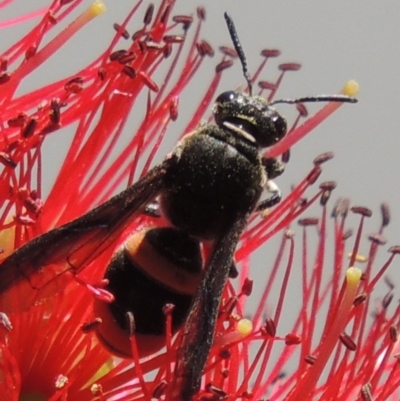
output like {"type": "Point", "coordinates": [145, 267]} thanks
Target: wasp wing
{"type": "Point", "coordinates": [74, 245]}
{"type": "Point", "coordinates": [198, 332]}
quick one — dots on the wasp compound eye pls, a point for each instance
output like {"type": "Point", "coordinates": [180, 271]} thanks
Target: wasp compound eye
{"type": "Point", "coordinates": [276, 132]}
{"type": "Point", "coordinates": [227, 96]}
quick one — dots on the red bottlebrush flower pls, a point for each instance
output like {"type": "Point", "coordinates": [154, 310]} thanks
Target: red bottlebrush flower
{"type": "Point", "coordinates": [49, 349]}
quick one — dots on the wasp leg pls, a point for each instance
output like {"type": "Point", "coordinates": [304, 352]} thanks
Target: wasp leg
{"type": "Point", "coordinates": [273, 200]}
{"type": "Point", "coordinates": [273, 168]}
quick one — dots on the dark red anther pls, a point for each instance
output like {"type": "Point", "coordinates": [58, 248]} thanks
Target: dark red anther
{"type": "Point", "coordinates": [4, 77]}
{"type": "Point", "coordinates": [127, 58]}
{"type": "Point", "coordinates": [30, 52]}
{"type": "Point", "coordinates": [394, 249]}
{"type": "Point", "coordinates": [3, 64]}
{"type": "Point", "coordinates": [364, 211]}
{"type": "Point", "coordinates": [173, 108]}
{"type": "Point", "coordinates": [393, 333]}
{"type": "Point", "coordinates": [223, 65]}
{"type": "Point", "coordinates": [129, 71]}
{"type": "Point", "coordinates": [121, 31]}
{"type": "Point", "coordinates": [292, 339]}
{"type": "Point", "coordinates": [289, 66]}
{"type": "Point", "coordinates": [328, 185]}
{"type": "Point", "coordinates": [102, 73]}
{"type": "Point", "coordinates": [117, 54]}
{"type": "Point", "coordinates": [385, 210]}
{"type": "Point", "coordinates": [205, 49]}
{"type": "Point", "coordinates": [247, 287]}
{"type": "Point", "coordinates": [88, 327]}
{"type": "Point", "coordinates": [159, 390]}
{"type": "Point", "coordinates": [186, 20]}
{"type": "Point", "coordinates": [314, 175]}
{"type": "Point", "coordinates": [325, 196]}
{"type": "Point", "coordinates": [377, 238]}
{"type": "Point", "coordinates": [18, 121]}
{"type": "Point", "coordinates": [167, 50]}
{"type": "Point", "coordinates": [148, 16]}
{"type": "Point", "coordinates": [55, 113]}
{"type": "Point", "coordinates": [348, 342]}
{"type": "Point", "coordinates": [285, 157]}
{"type": "Point", "coordinates": [309, 221]}
{"type": "Point", "coordinates": [201, 13]}
{"type": "Point", "coordinates": [29, 129]}
{"type": "Point", "coordinates": [310, 359]}
{"type": "Point", "coordinates": [149, 82]}
{"type": "Point", "coordinates": [173, 38]}
{"type": "Point", "coordinates": [270, 327]}
{"type": "Point", "coordinates": [387, 300]}
{"type": "Point", "coordinates": [267, 85]}
{"type": "Point", "coordinates": [302, 109]}
{"type": "Point", "coordinates": [389, 282]}
{"type": "Point", "coordinates": [74, 85]}
{"type": "Point", "coordinates": [270, 53]}
{"type": "Point", "coordinates": [360, 299]}
{"type": "Point", "coordinates": [323, 158]}
{"type": "Point", "coordinates": [228, 51]}
{"type": "Point", "coordinates": [224, 353]}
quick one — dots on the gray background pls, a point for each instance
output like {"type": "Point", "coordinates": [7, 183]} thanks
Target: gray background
{"type": "Point", "coordinates": [334, 41]}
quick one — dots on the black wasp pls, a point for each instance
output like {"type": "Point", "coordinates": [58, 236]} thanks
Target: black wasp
{"type": "Point", "coordinates": [207, 188]}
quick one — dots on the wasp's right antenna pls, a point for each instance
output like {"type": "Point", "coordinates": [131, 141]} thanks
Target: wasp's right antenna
{"type": "Point", "coordinates": [239, 50]}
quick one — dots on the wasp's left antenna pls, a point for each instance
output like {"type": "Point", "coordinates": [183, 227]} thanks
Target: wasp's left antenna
{"type": "Point", "coordinates": [239, 50]}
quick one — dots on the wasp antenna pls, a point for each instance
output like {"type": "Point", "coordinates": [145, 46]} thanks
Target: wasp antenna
{"type": "Point", "coordinates": [322, 98]}
{"type": "Point", "coordinates": [239, 50]}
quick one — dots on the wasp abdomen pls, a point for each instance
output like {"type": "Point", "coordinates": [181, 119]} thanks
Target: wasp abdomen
{"type": "Point", "coordinates": [154, 268]}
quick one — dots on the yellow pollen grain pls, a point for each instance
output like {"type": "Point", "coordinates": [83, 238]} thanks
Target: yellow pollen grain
{"type": "Point", "coordinates": [351, 88]}
{"type": "Point", "coordinates": [353, 276]}
{"type": "Point", "coordinates": [358, 257]}
{"type": "Point", "coordinates": [97, 8]}
{"type": "Point", "coordinates": [244, 327]}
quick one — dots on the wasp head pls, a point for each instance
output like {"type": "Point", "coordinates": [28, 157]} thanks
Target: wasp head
{"type": "Point", "coordinates": [250, 116]}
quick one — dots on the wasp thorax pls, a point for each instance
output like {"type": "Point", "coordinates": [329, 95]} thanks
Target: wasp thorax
{"type": "Point", "coordinates": [250, 116]}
